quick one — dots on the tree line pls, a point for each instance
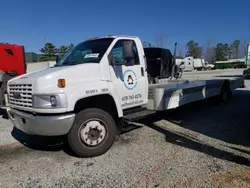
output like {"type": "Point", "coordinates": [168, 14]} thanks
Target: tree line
{"type": "Point", "coordinates": [50, 51]}
{"type": "Point", "coordinates": [219, 52]}
{"type": "Point", "coordinates": [224, 51]}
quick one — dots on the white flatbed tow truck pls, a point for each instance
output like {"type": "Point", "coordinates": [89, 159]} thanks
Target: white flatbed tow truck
{"type": "Point", "coordinates": [98, 85]}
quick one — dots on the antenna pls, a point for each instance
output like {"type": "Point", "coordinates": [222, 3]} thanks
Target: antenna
{"type": "Point", "coordinates": [175, 47]}
{"type": "Point", "coordinates": [173, 71]}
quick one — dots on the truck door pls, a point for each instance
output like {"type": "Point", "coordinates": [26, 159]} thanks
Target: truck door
{"type": "Point", "coordinates": [128, 74]}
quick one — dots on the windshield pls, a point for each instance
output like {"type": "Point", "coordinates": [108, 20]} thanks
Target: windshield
{"type": "Point", "coordinates": [90, 51]}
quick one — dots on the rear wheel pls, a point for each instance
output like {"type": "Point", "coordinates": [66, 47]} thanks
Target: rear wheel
{"type": "Point", "coordinates": [93, 133]}
{"type": "Point", "coordinates": [225, 94]}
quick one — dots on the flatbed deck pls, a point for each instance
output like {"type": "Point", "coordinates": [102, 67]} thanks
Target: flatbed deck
{"type": "Point", "coordinates": [173, 93]}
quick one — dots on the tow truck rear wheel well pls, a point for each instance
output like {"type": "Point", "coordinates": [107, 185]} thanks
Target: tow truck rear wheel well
{"type": "Point", "coordinates": [225, 87]}
{"type": "Point", "coordinates": [104, 102]}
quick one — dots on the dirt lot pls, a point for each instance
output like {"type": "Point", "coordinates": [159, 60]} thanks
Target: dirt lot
{"type": "Point", "coordinates": [200, 145]}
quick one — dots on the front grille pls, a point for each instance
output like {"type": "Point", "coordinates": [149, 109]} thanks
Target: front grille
{"type": "Point", "coordinates": [20, 95]}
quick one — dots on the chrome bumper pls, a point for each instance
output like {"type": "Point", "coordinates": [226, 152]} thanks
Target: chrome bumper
{"type": "Point", "coordinates": [41, 125]}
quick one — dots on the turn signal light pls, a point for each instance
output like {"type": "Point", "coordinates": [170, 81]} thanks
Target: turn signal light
{"type": "Point", "coordinates": [61, 83]}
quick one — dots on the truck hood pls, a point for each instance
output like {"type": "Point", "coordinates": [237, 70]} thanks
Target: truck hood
{"type": "Point", "coordinates": [46, 80]}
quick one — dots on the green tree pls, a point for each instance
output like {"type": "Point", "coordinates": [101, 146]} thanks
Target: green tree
{"type": "Point", "coordinates": [235, 47]}
{"type": "Point", "coordinates": [230, 51]}
{"type": "Point", "coordinates": [63, 50]}
{"type": "Point", "coordinates": [71, 46]}
{"type": "Point", "coordinates": [194, 49]}
{"type": "Point", "coordinates": [222, 52]}
{"type": "Point", "coordinates": [209, 52]}
{"type": "Point", "coordinates": [49, 49]}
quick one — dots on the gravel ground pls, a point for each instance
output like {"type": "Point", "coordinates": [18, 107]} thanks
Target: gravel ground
{"type": "Point", "coordinates": [200, 145]}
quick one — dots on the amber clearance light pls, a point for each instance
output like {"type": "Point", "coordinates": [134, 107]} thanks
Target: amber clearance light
{"type": "Point", "coordinates": [61, 83]}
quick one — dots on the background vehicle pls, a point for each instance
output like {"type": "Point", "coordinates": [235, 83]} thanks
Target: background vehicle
{"type": "Point", "coordinates": [209, 66]}
{"type": "Point", "coordinates": [190, 64]}
{"type": "Point", "coordinates": [161, 64]}
{"type": "Point", "coordinates": [100, 84]}
{"type": "Point", "coordinates": [199, 64]}
{"type": "Point", "coordinates": [231, 64]}
{"type": "Point", "coordinates": [12, 63]}
{"type": "Point", "coordinates": [187, 63]}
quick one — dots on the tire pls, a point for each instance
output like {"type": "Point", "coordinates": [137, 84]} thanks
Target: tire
{"type": "Point", "coordinates": [82, 127]}
{"type": "Point", "coordinates": [225, 94]}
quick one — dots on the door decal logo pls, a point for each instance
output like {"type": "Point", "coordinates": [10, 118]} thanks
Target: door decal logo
{"type": "Point", "coordinates": [130, 79]}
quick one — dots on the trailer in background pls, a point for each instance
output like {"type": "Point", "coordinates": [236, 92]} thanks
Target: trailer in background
{"type": "Point", "coordinates": [199, 64]}
{"type": "Point", "coordinates": [231, 64]}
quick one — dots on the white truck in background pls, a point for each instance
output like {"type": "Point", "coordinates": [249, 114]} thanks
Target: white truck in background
{"type": "Point", "coordinates": [98, 85]}
{"type": "Point", "coordinates": [199, 64]}
{"type": "Point", "coordinates": [186, 63]}
{"type": "Point", "coordinates": [190, 64]}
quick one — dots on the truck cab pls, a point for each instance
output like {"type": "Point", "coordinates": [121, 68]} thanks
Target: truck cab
{"type": "Point", "coordinates": [86, 93]}
{"type": "Point", "coordinates": [12, 63]}
{"type": "Point", "coordinates": [159, 62]}
{"type": "Point", "coordinates": [12, 59]}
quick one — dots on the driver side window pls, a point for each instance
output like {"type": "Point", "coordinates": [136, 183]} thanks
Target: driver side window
{"type": "Point", "coordinates": [117, 53]}
{"type": "Point", "coordinates": [118, 56]}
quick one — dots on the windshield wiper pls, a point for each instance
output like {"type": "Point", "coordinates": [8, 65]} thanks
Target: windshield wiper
{"type": "Point", "coordinates": [66, 63]}
{"type": "Point", "coordinates": [70, 63]}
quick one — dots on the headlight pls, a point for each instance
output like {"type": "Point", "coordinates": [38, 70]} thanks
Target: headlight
{"type": "Point", "coordinates": [53, 101]}
{"type": "Point", "coordinates": [50, 101]}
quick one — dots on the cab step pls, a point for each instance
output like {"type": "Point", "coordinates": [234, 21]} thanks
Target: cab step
{"type": "Point", "coordinates": [136, 114]}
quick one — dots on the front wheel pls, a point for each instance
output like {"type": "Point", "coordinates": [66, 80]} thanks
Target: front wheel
{"type": "Point", "coordinates": [93, 133]}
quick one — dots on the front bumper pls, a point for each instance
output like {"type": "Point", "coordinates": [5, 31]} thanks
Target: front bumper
{"type": "Point", "coordinates": [41, 125]}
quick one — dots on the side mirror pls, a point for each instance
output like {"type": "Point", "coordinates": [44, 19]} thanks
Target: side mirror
{"type": "Point", "coordinates": [128, 53]}
{"type": "Point", "coordinates": [111, 59]}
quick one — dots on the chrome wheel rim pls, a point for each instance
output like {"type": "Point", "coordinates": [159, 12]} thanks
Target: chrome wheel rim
{"type": "Point", "coordinates": [93, 132]}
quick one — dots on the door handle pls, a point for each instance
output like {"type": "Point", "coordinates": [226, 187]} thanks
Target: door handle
{"type": "Point", "coordinates": [142, 71]}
